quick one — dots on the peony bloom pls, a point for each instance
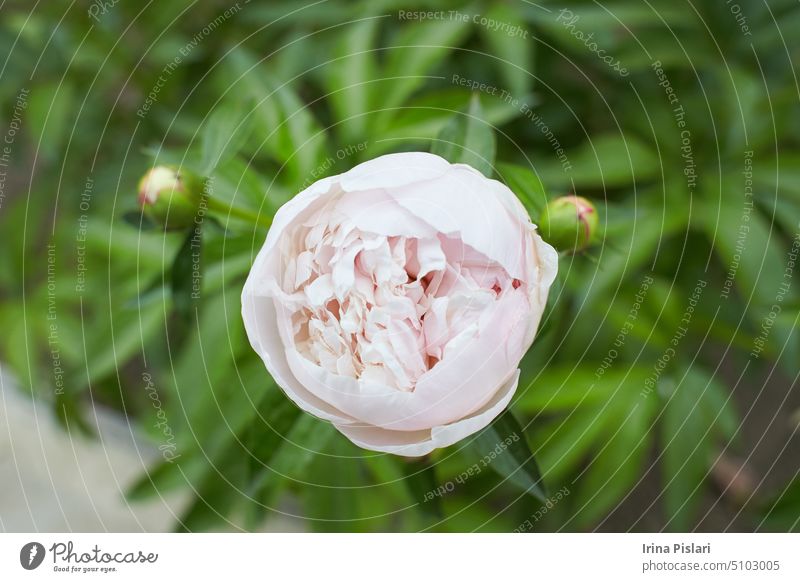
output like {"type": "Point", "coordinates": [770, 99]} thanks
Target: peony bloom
{"type": "Point", "coordinates": [397, 299]}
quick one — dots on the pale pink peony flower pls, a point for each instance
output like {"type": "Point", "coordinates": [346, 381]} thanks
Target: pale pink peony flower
{"type": "Point", "coordinates": [397, 299]}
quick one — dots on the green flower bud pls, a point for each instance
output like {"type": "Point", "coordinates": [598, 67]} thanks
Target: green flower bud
{"type": "Point", "coordinates": [569, 223]}
{"type": "Point", "coordinates": [170, 197]}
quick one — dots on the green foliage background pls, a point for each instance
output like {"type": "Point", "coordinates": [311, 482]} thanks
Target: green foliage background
{"type": "Point", "coordinates": [269, 96]}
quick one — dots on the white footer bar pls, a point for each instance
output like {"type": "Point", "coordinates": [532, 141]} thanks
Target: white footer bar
{"type": "Point", "coordinates": [406, 557]}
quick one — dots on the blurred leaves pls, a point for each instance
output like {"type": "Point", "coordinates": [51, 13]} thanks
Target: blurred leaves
{"type": "Point", "coordinates": [186, 275]}
{"type": "Point", "coordinates": [515, 55]}
{"type": "Point", "coordinates": [350, 82]}
{"type": "Point", "coordinates": [604, 161]}
{"type": "Point", "coordinates": [467, 139]}
{"type": "Point", "coordinates": [607, 414]}
{"type": "Point", "coordinates": [698, 416]}
{"type": "Point", "coordinates": [224, 133]}
{"type": "Point", "coordinates": [281, 123]}
{"type": "Point", "coordinates": [265, 105]}
{"type": "Point", "coordinates": [50, 113]}
{"type": "Point", "coordinates": [421, 480]}
{"type": "Point", "coordinates": [782, 514]}
{"type": "Point", "coordinates": [413, 54]}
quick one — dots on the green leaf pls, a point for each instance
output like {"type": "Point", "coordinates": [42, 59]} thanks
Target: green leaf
{"type": "Point", "coordinates": [415, 51]}
{"type": "Point", "coordinates": [24, 361]}
{"type": "Point", "coordinates": [301, 140]}
{"type": "Point", "coordinates": [186, 275]}
{"type": "Point", "coordinates": [50, 114]}
{"type": "Point", "coordinates": [747, 109]}
{"type": "Point", "coordinates": [420, 479]}
{"type": "Point", "coordinates": [605, 161]}
{"type": "Point", "coordinates": [224, 133]}
{"type": "Point", "coordinates": [782, 513]}
{"type": "Point", "coordinates": [306, 440]}
{"type": "Point", "coordinates": [618, 464]}
{"type": "Point", "coordinates": [69, 413]}
{"type": "Point", "coordinates": [597, 408]}
{"type": "Point", "coordinates": [503, 447]}
{"type": "Point", "coordinates": [688, 433]}
{"type": "Point", "coordinates": [163, 477]}
{"type": "Point", "coordinates": [217, 468]}
{"type": "Point", "coordinates": [337, 496]}
{"type": "Point", "coordinates": [216, 495]}
{"type": "Point", "coordinates": [244, 420]}
{"type": "Point", "coordinates": [720, 412]}
{"type": "Point", "coordinates": [468, 139]}
{"type": "Point", "coordinates": [152, 252]}
{"type": "Point", "coordinates": [264, 437]}
{"type": "Point", "coordinates": [526, 184]}
{"type": "Point", "coordinates": [563, 387]}
{"type": "Point", "coordinates": [648, 235]}
{"type": "Point", "coordinates": [109, 352]}
{"type": "Point", "coordinates": [283, 125]}
{"type": "Point", "coordinates": [423, 117]}
{"type": "Point", "coordinates": [240, 185]}
{"type": "Point", "coordinates": [514, 52]}
{"type": "Point", "coordinates": [350, 78]}
{"type": "Point", "coordinates": [785, 338]}
{"type": "Point", "coordinates": [782, 174]}
{"type": "Point", "coordinates": [748, 245]}
{"type": "Point", "coordinates": [201, 378]}
{"type": "Point", "coordinates": [246, 74]}
{"type": "Point", "coordinates": [561, 445]}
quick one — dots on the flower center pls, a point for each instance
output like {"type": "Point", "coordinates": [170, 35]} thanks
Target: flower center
{"type": "Point", "coordinates": [386, 309]}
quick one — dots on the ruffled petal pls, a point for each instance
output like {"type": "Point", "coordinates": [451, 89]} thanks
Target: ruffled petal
{"type": "Point", "coordinates": [259, 316]}
{"type": "Point", "coordinates": [377, 212]}
{"type": "Point", "coordinates": [393, 171]}
{"type": "Point", "coordinates": [287, 213]}
{"type": "Point", "coordinates": [422, 442]}
{"type": "Point", "coordinates": [469, 375]}
{"type": "Point", "coordinates": [461, 205]}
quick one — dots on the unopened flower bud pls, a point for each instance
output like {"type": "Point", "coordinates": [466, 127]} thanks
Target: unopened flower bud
{"type": "Point", "coordinates": [569, 223]}
{"type": "Point", "coordinates": [169, 196]}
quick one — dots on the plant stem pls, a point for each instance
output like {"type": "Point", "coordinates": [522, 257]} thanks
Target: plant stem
{"type": "Point", "coordinates": [220, 207]}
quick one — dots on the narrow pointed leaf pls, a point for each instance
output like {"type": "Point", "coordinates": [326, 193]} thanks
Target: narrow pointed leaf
{"type": "Point", "coordinates": [503, 447]}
